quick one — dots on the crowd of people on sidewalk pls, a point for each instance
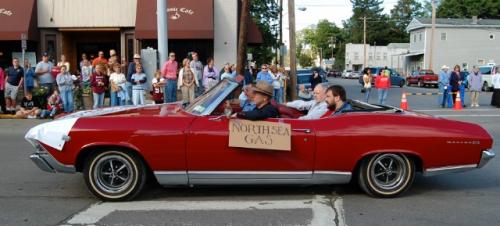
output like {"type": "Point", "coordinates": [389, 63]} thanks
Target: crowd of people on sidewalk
{"type": "Point", "coordinates": [450, 83]}
{"type": "Point", "coordinates": [52, 89]}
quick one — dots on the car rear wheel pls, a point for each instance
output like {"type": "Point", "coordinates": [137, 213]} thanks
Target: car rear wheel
{"type": "Point", "coordinates": [386, 175]}
{"type": "Point", "coordinates": [114, 175]}
{"type": "Point", "coordinates": [401, 84]}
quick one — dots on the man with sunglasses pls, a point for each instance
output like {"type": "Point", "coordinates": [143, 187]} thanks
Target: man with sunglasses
{"type": "Point", "coordinates": [264, 75]}
{"type": "Point", "coordinates": [169, 72]}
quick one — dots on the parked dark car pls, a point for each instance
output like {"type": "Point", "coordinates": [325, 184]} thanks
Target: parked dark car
{"type": "Point", "coordinates": [396, 78]}
{"type": "Point", "coordinates": [334, 74]}
{"type": "Point", "coordinates": [304, 77]}
{"type": "Point", "coordinates": [423, 78]}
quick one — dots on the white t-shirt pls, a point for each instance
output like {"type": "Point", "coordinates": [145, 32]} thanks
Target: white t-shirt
{"type": "Point", "coordinates": [154, 81]}
{"type": "Point", "coordinates": [117, 78]}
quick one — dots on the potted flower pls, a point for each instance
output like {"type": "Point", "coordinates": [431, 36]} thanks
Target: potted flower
{"type": "Point", "coordinates": [87, 97]}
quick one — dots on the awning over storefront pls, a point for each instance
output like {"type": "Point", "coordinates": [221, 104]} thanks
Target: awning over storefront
{"type": "Point", "coordinates": [254, 36]}
{"type": "Point", "coordinates": [18, 17]}
{"type": "Point", "coordinates": [413, 54]}
{"type": "Point", "coordinates": [193, 19]}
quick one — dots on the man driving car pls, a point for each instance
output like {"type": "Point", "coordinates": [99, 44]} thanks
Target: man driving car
{"type": "Point", "coordinates": [263, 92]}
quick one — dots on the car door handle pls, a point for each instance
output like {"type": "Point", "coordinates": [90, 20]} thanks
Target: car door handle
{"type": "Point", "coordinates": [302, 130]}
{"type": "Point", "coordinates": [216, 119]}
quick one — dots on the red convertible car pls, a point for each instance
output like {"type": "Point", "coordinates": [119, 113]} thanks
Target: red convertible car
{"type": "Point", "coordinates": [118, 149]}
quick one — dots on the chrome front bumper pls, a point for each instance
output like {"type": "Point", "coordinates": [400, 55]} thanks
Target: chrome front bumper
{"type": "Point", "coordinates": [46, 162]}
{"type": "Point", "coordinates": [486, 156]}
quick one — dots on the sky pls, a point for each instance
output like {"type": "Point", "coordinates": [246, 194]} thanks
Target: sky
{"type": "Point", "coordinates": [316, 10]}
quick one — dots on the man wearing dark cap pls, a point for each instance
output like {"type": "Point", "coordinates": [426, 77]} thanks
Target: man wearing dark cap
{"type": "Point", "coordinates": [263, 92]}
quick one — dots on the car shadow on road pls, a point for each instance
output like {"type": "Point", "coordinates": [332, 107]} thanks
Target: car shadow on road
{"type": "Point", "coordinates": [268, 192]}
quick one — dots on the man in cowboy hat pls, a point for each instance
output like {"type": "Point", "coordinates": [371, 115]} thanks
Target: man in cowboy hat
{"type": "Point", "coordinates": [443, 84]}
{"type": "Point", "coordinates": [263, 92]}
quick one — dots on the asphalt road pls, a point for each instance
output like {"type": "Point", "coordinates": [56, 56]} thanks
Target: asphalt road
{"type": "Point", "coordinates": [29, 196]}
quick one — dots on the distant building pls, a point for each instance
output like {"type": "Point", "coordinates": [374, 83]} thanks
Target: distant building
{"type": "Point", "coordinates": [464, 42]}
{"type": "Point", "coordinates": [391, 56]}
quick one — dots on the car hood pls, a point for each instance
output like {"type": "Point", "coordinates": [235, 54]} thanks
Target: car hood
{"type": "Point", "coordinates": [55, 133]}
{"type": "Point", "coordinates": [152, 109]}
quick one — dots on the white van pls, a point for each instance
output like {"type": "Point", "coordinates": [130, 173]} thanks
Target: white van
{"type": "Point", "coordinates": [487, 71]}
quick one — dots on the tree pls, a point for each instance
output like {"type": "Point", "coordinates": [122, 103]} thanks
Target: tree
{"type": "Point", "coordinates": [305, 60]}
{"type": "Point", "coordinates": [242, 39]}
{"type": "Point", "coordinates": [265, 14]}
{"type": "Point", "coordinates": [322, 36]}
{"type": "Point", "coordinates": [468, 8]}
{"type": "Point", "coordinates": [377, 22]}
{"type": "Point", "coordinates": [401, 15]}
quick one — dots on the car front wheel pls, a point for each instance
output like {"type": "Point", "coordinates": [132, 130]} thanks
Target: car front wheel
{"type": "Point", "coordinates": [386, 175]}
{"type": "Point", "coordinates": [114, 175]}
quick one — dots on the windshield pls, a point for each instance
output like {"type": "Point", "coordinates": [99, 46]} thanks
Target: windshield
{"type": "Point", "coordinates": [426, 72]}
{"type": "Point", "coordinates": [485, 70]}
{"type": "Point", "coordinates": [205, 104]}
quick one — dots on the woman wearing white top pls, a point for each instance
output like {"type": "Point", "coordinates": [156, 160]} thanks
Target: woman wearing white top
{"type": "Point", "coordinates": [495, 99]}
{"type": "Point", "coordinates": [277, 84]}
{"type": "Point", "coordinates": [116, 80]}
{"type": "Point", "coordinates": [367, 80]}
{"type": "Point", "coordinates": [63, 62]}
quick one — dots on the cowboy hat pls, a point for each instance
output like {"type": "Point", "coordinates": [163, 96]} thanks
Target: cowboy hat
{"type": "Point", "coordinates": [264, 88]}
{"type": "Point", "coordinates": [137, 56]}
{"type": "Point", "coordinates": [444, 67]}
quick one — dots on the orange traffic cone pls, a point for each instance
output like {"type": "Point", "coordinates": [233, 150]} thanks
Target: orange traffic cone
{"type": "Point", "coordinates": [404, 102]}
{"type": "Point", "coordinates": [458, 102]}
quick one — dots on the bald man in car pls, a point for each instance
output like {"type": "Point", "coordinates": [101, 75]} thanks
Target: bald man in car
{"type": "Point", "coordinates": [316, 107]}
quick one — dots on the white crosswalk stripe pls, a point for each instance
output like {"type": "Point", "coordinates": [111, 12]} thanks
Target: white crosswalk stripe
{"type": "Point", "coordinates": [326, 211]}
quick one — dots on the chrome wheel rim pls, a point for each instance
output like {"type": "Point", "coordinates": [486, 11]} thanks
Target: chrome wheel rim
{"type": "Point", "coordinates": [388, 171]}
{"type": "Point", "coordinates": [113, 174]}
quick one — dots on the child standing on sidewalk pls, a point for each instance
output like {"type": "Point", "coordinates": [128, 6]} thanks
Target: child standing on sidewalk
{"type": "Point", "coordinates": [158, 86]}
{"type": "Point", "coordinates": [138, 80]}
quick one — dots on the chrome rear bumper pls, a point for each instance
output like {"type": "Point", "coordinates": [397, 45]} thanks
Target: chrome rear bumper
{"type": "Point", "coordinates": [486, 156]}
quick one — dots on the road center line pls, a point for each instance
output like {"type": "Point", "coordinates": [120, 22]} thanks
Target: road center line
{"type": "Point", "coordinates": [323, 212]}
{"type": "Point", "coordinates": [467, 115]}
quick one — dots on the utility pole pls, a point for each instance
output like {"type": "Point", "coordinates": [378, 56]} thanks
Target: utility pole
{"type": "Point", "coordinates": [320, 57]}
{"type": "Point", "coordinates": [293, 49]}
{"type": "Point", "coordinates": [364, 42]}
{"type": "Point", "coordinates": [375, 54]}
{"type": "Point", "coordinates": [161, 17]}
{"type": "Point", "coordinates": [242, 40]}
{"type": "Point", "coordinates": [432, 34]}
{"type": "Point", "coordinates": [281, 61]}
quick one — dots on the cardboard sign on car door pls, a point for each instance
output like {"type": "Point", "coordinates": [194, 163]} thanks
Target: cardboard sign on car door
{"type": "Point", "coordinates": [259, 135]}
